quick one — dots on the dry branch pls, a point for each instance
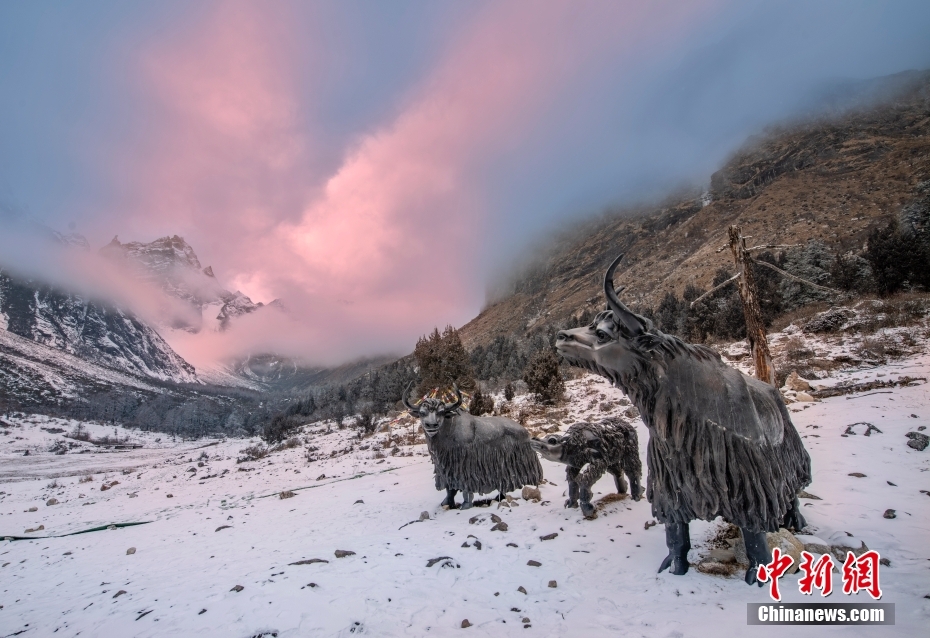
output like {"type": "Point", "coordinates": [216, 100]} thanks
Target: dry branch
{"type": "Point", "coordinates": [803, 281]}
{"type": "Point", "coordinates": [863, 387]}
{"type": "Point", "coordinates": [715, 289]}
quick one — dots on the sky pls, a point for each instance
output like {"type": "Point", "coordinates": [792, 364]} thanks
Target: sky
{"type": "Point", "coordinates": [373, 165]}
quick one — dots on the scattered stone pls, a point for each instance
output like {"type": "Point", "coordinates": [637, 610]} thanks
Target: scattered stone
{"type": "Point", "coordinates": [892, 484]}
{"type": "Point", "coordinates": [237, 588]}
{"type": "Point", "coordinates": [650, 524]}
{"type": "Point", "coordinates": [106, 486]}
{"type": "Point", "coordinates": [553, 584]}
{"type": "Point", "coordinates": [796, 383]}
{"type": "Point", "coordinates": [321, 477]}
{"type": "Point", "coordinates": [500, 527]}
{"type": "Point", "coordinates": [722, 555]}
{"type": "Point", "coordinates": [889, 513]}
{"type": "Point", "coordinates": [34, 529]}
{"type": "Point", "coordinates": [534, 563]}
{"type": "Point", "coordinates": [631, 413]}
{"type": "Point", "coordinates": [360, 501]}
{"type": "Point", "coordinates": [857, 474]}
{"type": "Point", "coordinates": [130, 551]}
{"type": "Point", "coordinates": [441, 559]}
{"type": "Point", "coordinates": [311, 585]}
{"type": "Point", "coordinates": [286, 494]}
{"type": "Point", "coordinates": [549, 537]}
{"type": "Point", "coordinates": [424, 516]}
{"type": "Point", "coordinates": [466, 624]}
{"type": "Point", "coordinates": [512, 545]}
{"type": "Point", "coordinates": [119, 593]}
{"type": "Point", "coordinates": [342, 553]}
{"type": "Point", "coordinates": [531, 494]}
{"type": "Point", "coordinates": [471, 521]}
{"type": "Point", "coordinates": [918, 441]}
{"type": "Point", "coordinates": [222, 527]}
{"type": "Point", "coordinates": [495, 518]}
{"type": "Point", "coordinates": [840, 549]}
{"type": "Point", "coordinates": [803, 397]}
{"type": "Point", "coordinates": [521, 589]}
{"type": "Point", "coordinates": [884, 561]}
{"type": "Point", "coordinates": [803, 494]}
{"type": "Point", "coordinates": [52, 501]}
{"type": "Point", "coordinates": [813, 544]}
{"type": "Point", "coordinates": [169, 495]}
{"type": "Point", "coordinates": [33, 509]}
{"type": "Point", "coordinates": [111, 527]}
{"type": "Point", "coordinates": [869, 428]}
{"type": "Point", "coordinates": [202, 611]}
{"type": "Point", "coordinates": [525, 619]}
{"type": "Point", "coordinates": [310, 561]}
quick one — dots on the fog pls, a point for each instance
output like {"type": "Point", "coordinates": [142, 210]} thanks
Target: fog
{"type": "Point", "coordinates": [374, 167]}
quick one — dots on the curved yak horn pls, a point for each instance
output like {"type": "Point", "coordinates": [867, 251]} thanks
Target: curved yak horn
{"type": "Point", "coordinates": [450, 407]}
{"type": "Point", "coordinates": [412, 408]}
{"type": "Point", "coordinates": [622, 314]}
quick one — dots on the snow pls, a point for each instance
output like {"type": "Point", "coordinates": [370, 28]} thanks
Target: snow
{"type": "Point", "coordinates": [605, 569]}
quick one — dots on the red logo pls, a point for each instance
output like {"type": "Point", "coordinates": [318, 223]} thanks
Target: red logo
{"type": "Point", "coordinates": [819, 574]}
{"type": "Point", "coordinates": [773, 571]}
{"type": "Point", "coordinates": [862, 573]}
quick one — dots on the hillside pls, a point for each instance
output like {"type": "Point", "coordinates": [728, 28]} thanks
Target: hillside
{"type": "Point", "coordinates": [833, 179]}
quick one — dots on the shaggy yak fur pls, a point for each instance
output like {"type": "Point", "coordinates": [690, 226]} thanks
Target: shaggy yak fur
{"type": "Point", "coordinates": [721, 443]}
{"type": "Point", "coordinates": [589, 450]}
{"type": "Point", "coordinates": [475, 455]}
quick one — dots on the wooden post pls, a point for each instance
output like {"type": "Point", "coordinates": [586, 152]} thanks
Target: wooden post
{"type": "Point", "coordinates": [755, 328]}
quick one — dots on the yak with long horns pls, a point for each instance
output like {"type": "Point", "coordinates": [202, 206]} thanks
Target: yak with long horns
{"type": "Point", "coordinates": [472, 454]}
{"type": "Point", "coordinates": [721, 443]}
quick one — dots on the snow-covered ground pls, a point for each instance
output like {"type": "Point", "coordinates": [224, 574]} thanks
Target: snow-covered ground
{"type": "Point", "coordinates": [213, 525]}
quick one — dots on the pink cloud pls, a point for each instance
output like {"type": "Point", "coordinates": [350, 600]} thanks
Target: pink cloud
{"type": "Point", "coordinates": [384, 247]}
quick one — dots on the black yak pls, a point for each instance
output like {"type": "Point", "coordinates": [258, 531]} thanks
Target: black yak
{"type": "Point", "coordinates": [720, 442]}
{"type": "Point", "coordinates": [472, 454]}
{"type": "Point", "coordinates": [589, 450]}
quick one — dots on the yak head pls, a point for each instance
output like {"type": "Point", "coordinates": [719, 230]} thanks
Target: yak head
{"type": "Point", "coordinates": [432, 412]}
{"type": "Point", "coordinates": [608, 346]}
{"type": "Point", "coordinates": [549, 447]}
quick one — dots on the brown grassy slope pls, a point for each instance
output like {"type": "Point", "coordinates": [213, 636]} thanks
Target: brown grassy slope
{"type": "Point", "coordinates": [833, 180]}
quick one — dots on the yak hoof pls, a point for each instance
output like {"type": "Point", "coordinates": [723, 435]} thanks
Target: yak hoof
{"type": "Point", "coordinates": [751, 578]}
{"type": "Point", "coordinates": [588, 510]}
{"type": "Point", "coordinates": [679, 566]}
{"type": "Point", "coordinates": [571, 503]}
{"type": "Point", "coordinates": [637, 493]}
{"type": "Point", "coordinates": [466, 506]}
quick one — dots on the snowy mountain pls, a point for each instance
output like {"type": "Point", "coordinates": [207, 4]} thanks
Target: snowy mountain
{"type": "Point", "coordinates": [171, 264]}
{"type": "Point", "coordinates": [97, 332]}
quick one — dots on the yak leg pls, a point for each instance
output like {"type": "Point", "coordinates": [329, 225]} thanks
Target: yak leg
{"type": "Point", "coordinates": [449, 500]}
{"type": "Point", "coordinates": [636, 490]}
{"type": "Point", "coordinates": [793, 518]}
{"type": "Point", "coordinates": [678, 541]}
{"type": "Point", "coordinates": [758, 553]}
{"type": "Point", "coordinates": [620, 482]}
{"type": "Point", "coordinates": [571, 475]}
{"type": "Point", "coordinates": [586, 508]}
{"type": "Point", "coordinates": [467, 500]}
